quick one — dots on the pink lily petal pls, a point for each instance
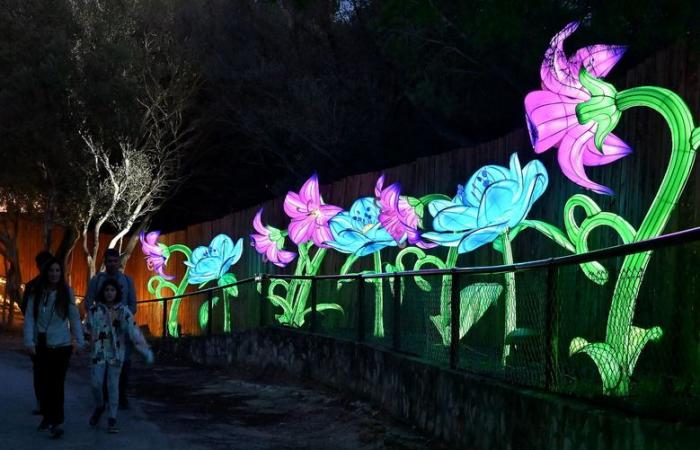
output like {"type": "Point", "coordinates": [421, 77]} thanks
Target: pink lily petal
{"type": "Point", "coordinates": [560, 74]}
{"type": "Point", "coordinates": [549, 115]}
{"type": "Point", "coordinates": [321, 235]}
{"type": "Point", "coordinates": [378, 186]}
{"type": "Point", "coordinates": [599, 59]}
{"type": "Point", "coordinates": [300, 231]}
{"type": "Point", "coordinates": [614, 148]}
{"type": "Point", "coordinates": [327, 212]}
{"type": "Point", "coordinates": [280, 258]}
{"type": "Point", "coordinates": [294, 206]}
{"type": "Point", "coordinates": [257, 223]}
{"type": "Point", "coordinates": [570, 157]}
{"type": "Point", "coordinates": [309, 193]}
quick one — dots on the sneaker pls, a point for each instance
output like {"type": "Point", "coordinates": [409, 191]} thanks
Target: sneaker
{"type": "Point", "coordinates": [95, 417]}
{"type": "Point", "coordinates": [43, 425]}
{"type": "Point", "coordinates": [112, 426]}
{"type": "Point", "coordinates": [56, 431]}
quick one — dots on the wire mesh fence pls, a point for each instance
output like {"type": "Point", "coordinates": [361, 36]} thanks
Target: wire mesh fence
{"type": "Point", "coordinates": [590, 329]}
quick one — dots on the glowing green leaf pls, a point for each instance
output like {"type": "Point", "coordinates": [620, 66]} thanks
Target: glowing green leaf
{"type": "Point", "coordinates": [604, 357]}
{"type": "Point", "coordinates": [601, 107]}
{"type": "Point", "coordinates": [637, 340]}
{"type": "Point", "coordinates": [226, 279]}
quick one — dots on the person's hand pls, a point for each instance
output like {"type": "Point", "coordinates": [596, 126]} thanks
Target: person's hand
{"type": "Point", "coordinates": [31, 350]}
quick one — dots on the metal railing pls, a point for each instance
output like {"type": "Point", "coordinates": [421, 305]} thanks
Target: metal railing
{"type": "Point", "coordinates": [543, 296]}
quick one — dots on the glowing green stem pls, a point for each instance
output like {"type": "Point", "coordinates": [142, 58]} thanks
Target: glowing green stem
{"type": "Point", "coordinates": [446, 292]}
{"type": "Point", "coordinates": [680, 121]}
{"type": "Point", "coordinates": [182, 287]}
{"type": "Point", "coordinates": [378, 296]}
{"type": "Point", "coordinates": [305, 287]}
{"type": "Point", "coordinates": [510, 311]}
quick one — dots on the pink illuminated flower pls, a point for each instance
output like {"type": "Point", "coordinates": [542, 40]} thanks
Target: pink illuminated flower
{"type": "Point", "coordinates": [397, 215]}
{"type": "Point", "coordinates": [551, 112]}
{"type": "Point", "coordinates": [309, 214]}
{"type": "Point", "coordinates": [269, 242]}
{"type": "Point", "coordinates": [157, 254]}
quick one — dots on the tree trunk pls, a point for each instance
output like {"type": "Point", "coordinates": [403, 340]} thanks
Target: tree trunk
{"type": "Point", "coordinates": [134, 239]}
{"type": "Point", "coordinates": [64, 252]}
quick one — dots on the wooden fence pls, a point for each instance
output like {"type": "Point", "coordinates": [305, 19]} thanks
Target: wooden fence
{"type": "Point", "coordinates": [635, 180]}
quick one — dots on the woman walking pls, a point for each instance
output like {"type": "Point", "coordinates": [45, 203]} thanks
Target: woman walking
{"type": "Point", "coordinates": [50, 320]}
{"type": "Point", "coordinates": [109, 322]}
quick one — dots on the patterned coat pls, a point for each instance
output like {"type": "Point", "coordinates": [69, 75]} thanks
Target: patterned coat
{"type": "Point", "coordinates": [108, 328]}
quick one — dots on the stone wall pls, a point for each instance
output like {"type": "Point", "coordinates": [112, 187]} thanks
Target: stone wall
{"type": "Point", "coordinates": [460, 408]}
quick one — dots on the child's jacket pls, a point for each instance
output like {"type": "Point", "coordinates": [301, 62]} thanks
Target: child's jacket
{"type": "Point", "coordinates": [108, 327]}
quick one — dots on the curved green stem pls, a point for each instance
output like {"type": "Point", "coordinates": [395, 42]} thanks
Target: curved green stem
{"type": "Point", "coordinates": [299, 301]}
{"type": "Point", "coordinates": [181, 288]}
{"type": "Point", "coordinates": [680, 121]}
{"type": "Point", "coordinates": [510, 311]}
{"type": "Point", "coordinates": [378, 296]}
{"type": "Point", "coordinates": [446, 291]}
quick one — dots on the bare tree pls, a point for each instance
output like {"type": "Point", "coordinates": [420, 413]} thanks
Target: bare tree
{"type": "Point", "coordinates": [126, 185]}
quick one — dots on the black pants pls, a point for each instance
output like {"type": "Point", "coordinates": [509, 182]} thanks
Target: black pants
{"type": "Point", "coordinates": [36, 381]}
{"type": "Point", "coordinates": [51, 368]}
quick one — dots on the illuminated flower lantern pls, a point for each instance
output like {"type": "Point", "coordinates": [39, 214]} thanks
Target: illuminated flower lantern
{"type": "Point", "coordinates": [309, 227]}
{"type": "Point", "coordinates": [204, 264]}
{"type": "Point", "coordinates": [576, 112]}
{"type": "Point", "coordinates": [157, 254]}
{"type": "Point", "coordinates": [400, 215]}
{"type": "Point", "coordinates": [309, 214]}
{"type": "Point", "coordinates": [494, 199]}
{"type": "Point", "coordinates": [358, 231]}
{"type": "Point", "coordinates": [551, 112]}
{"type": "Point", "coordinates": [269, 242]}
{"type": "Point", "coordinates": [212, 262]}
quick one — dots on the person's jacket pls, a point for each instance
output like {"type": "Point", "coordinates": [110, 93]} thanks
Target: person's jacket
{"type": "Point", "coordinates": [58, 330]}
{"type": "Point", "coordinates": [125, 282]}
{"type": "Point", "coordinates": [108, 328]}
{"type": "Point", "coordinates": [28, 290]}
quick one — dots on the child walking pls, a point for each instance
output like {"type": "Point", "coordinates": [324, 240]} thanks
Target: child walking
{"type": "Point", "coordinates": [109, 322]}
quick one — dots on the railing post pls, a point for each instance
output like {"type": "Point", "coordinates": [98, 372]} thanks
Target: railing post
{"type": "Point", "coordinates": [551, 331]}
{"type": "Point", "coordinates": [165, 319]}
{"type": "Point", "coordinates": [455, 311]}
{"type": "Point", "coordinates": [360, 309]}
{"type": "Point", "coordinates": [210, 308]}
{"type": "Point", "coordinates": [264, 283]}
{"type": "Point", "coordinates": [314, 315]}
{"type": "Point", "coordinates": [397, 313]}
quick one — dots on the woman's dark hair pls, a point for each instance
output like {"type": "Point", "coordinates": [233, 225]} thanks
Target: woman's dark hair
{"type": "Point", "coordinates": [110, 282]}
{"type": "Point", "coordinates": [62, 293]}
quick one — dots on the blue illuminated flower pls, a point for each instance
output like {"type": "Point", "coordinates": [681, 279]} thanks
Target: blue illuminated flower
{"type": "Point", "coordinates": [358, 230]}
{"type": "Point", "coordinates": [495, 198]}
{"type": "Point", "coordinates": [211, 263]}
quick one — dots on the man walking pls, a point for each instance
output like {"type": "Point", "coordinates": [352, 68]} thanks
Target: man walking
{"type": "Point", "coordinates": [112, 264]}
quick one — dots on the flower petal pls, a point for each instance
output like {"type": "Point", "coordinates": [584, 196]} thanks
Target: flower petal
{"type": "Point", "coordinates": [570, 157]}
{"type": "Point", "coordinates": [481, 180]}
{"type": "Point", "coordinates": [613, 149]}
{"type": "Point", "coordinates": [548, 117]}
{"type": "Point", "coordinates": [294, 207]}
{"type": "Point", "coordinates": [258, 225]}
{"type": "Point", "coordinates": [481, 236]}
{"type": "Point", "coordinates": [300, 231]}
{"type": "Point", "coordinates": [309, 193]}
{"type": "Point", "coordinates": [455, 218]}
{"type": "Point", "coordinates": [599, 59]}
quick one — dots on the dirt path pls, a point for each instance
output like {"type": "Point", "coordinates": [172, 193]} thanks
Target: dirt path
{"type": "Point", "coordinates": [176, 406]}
